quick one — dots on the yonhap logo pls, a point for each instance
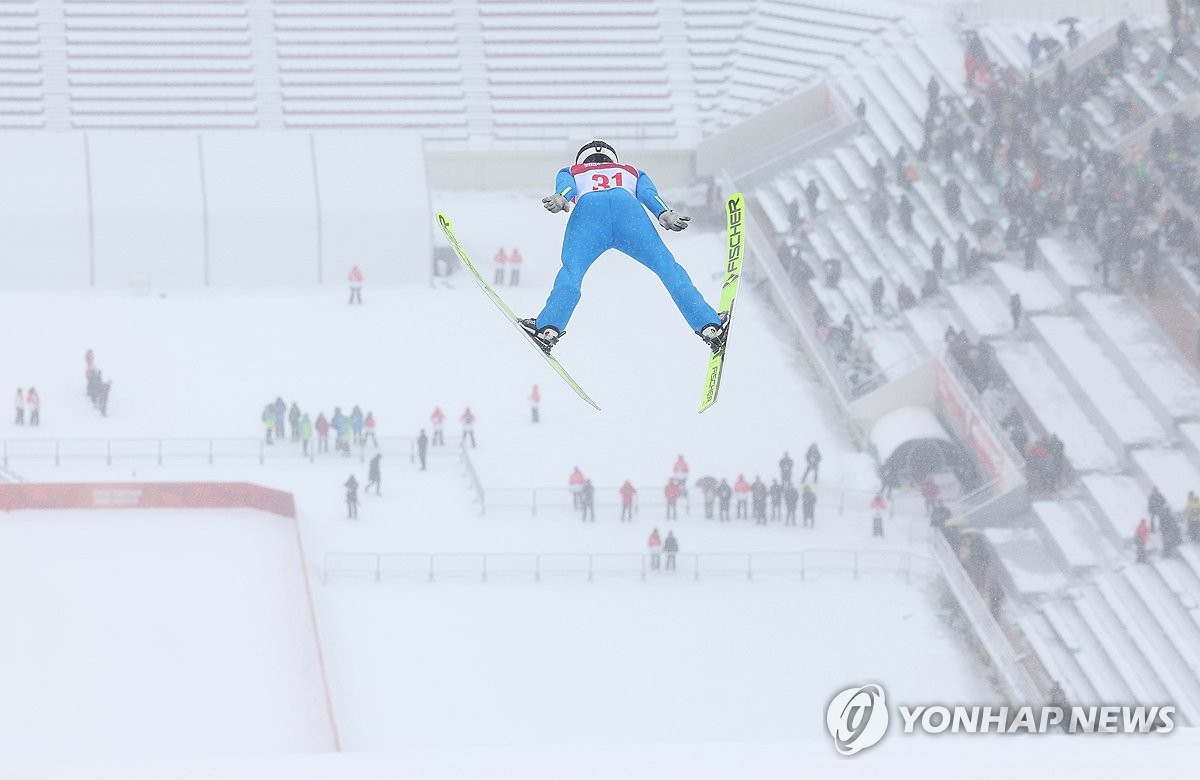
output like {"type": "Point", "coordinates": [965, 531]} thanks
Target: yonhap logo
{"type": "Point", "coordinates": [857, 718]}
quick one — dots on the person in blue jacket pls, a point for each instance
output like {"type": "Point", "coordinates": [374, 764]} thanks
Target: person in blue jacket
{"type": "Point", "coordinates": [610, 202]}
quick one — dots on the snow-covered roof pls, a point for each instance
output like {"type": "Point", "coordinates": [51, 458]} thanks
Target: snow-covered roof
{"type": "Point", "coordinates": [908, 423]}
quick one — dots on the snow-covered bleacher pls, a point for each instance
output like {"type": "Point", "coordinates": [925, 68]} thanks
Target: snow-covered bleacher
{"type": "Point", "coordinates": [160, 63]}
{"type": "Point", "coordinates": [21, 85]}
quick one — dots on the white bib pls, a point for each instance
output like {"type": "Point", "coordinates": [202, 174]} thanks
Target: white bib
{"type": "Point", "coordinates": [597, 177]}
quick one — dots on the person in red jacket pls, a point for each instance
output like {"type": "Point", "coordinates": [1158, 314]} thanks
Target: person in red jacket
{"type": "Point", "coordinates": [741, 491]}
{"type": "Point", "coordinates": [535, 400]}
{"type": "Point", "coordinates": [499, 260]}
{"type": "Point", "coordinates": [356, 280]}
{"type": "Point", "coordinates": [878, 507]}
{"type": "Point", "coordinates": [369, 430]}
{"type": "Point", "coordinates": [322, 426]}
{"type": "Point", "coordinates": [1141, 538]}
{"type": "Point", "coordinates": [34, 403]}
{"type": "Point", "coordinates": [514, 273]}
{"type": "Point", "coordinates": [575, 484]}
{"type": "Point", "coordinates": [671, 491]}
{"type": "Point", "coordinates": [654, 545]}
{"type": "Point", "coordinates": [679, 472]}
{"type": "Point", "coordinates": [468, 424]}
{"type": "Point", "coordinates": [628, 491]}
{"type": "Point", "coordinates": [436, 420]}
{"type": "Point", "coordinates": [929, 491]}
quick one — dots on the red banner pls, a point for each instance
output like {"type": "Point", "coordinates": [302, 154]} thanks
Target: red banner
{"type": "Point", "coordinates": [146, 495]}
{"type": "Point", "coordinates": [970, 426]}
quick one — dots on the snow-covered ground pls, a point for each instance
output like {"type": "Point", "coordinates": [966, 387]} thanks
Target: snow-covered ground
{"type": "Point", "coordinates": [156, 632]}
{"type": "Point", "coordinates": [554, 668]}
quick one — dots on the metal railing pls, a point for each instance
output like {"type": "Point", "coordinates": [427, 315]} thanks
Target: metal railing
{"type": "Point", "coordinates": [804, 565]}
{"type": "Point", "coordinates": [607, 497]}
{"type": "Point", "coordinates": [109, 451]}
{"type": "Point", "coordinates": [1018, 681]}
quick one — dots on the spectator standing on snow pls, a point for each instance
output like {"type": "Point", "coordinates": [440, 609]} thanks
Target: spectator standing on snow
{"type": "Point", "coordinates": [878, 507]}
{"type": "Point", "coordinates": [937, 256]}
{"type": "Point", "coordinates": [627, 502]}
{"type": "Point", "coordinates": [294, 421]}
{"type": "Point", "coordinates": [268, 420]}
{"type": "Point", "coordinates": [369, 430]}
{"type": "Point", "coordinates": [587, 500]}
{"type": "Point", "coordinates": [575, 485]}
{"type": "Point", "coordinates": [671, 548]}
{"type": "Point", "coordinates": [1156, 506]}
{"type": "Point", "coordinates": [758, 501]}
{"type": "Point", "coordinates": [105, 389]}
{"type": "Point", "coordinates": [877, 295]}
{"type": "Point", "coordinates": [20, 420]}
{"type": "Point", "coordinates": [356, 424]}
{"type": "Point", "coordinates": [322, 427]}
{"type": "Point", "coordinates": [808, 501]}
{"type": "Point", "coordinates": [468, 427]}
{"type": "Point", "coordinates": [679, 473]}
{"type": "Point", "coordinates": [790, 497]}
{"type": "Point", "coordinates": [436, 421]}
{"type": "Point", "coordinates": [775, 492]}
{"type": "Point", "coordinates": [34, 403]}
{"type": "Point", "coordinates": [741, 491]}
{"type": "Point", "coordinates": [514, 274]}
{"type": "Point", "coordinates": [654, 547]}
{"type": "Point", "coordinates": [373, 475]}
{"type": "Point", "coordinates": [356, 281]}
{"type": "Point", "coordinates": [535, 401]}
{"type": "Point", "coordinates": [422, 447]}
{"type": "Point", "coordinates": [280, 409]}
{"type": "Point", "coordinates": [343, 436]}
{"type": "Point", "coordinates": [351, 498]}
{"type": "Point", "coordinates": [1014, 308]}
{"type": "Point", "coordinates": [813, 458]}
{"type": "Point", "coordinates": [671, 492]}
{"type": "Point", "coordinates": [1141, 538]}
{"type": "Point", "coordinates": [785, 468]}
{"type": "Point", "coordinates": [724, 493]}
{"type": "Point", "coordinates": [627, 491]}
{"type": "Point", "coordinates": [499, 262]}
{"type": "Point", "coordinates": [306, 432]}
{"type": "Point", "coordinates": [930, 492]}
{"type": "Point", "coordinates": [952, 194]}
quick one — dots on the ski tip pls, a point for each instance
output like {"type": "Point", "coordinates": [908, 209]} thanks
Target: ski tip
{"type": "Point", "coordinates": [443, 221]}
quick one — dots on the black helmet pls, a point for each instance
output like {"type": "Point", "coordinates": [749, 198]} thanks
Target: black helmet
{"type": "Point", "coordinates": [596, 151]}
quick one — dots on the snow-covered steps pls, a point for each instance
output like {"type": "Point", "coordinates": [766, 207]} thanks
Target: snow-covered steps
{"type": "Point", "coordinates": [1024, 557]}
{"type": "Point", "coordinates": [1093, 372]}
{"type": "Point", "coordinates": [1156, 368]}
{"type": "Point", "coordinates": [1121, 502]}
{"type": "Point", "coordinates": [986, 313]}
{"type": "Point", "coordinates": [1171, 471]}
{"type": "Point", "coordinates": [1057, 407]}
{"type": "Point", "coordinates": [1075, 533]}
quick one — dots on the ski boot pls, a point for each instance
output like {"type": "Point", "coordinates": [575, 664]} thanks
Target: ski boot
{"type": "Point", "coordinates": [545, 338]}
{"type": "Point", "coordinates": [714, 335]}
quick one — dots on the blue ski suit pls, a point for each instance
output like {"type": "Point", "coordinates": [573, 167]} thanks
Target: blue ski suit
{"type": "Point", "coordinates": [609, 215]}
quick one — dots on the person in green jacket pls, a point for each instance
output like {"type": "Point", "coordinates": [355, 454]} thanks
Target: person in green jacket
{"type": "Point", "coordinates": [306, 432]}
{"type": "Point", "coordinates": [343, 436]}
{"type": "Point", "coordinates": [268, 418]}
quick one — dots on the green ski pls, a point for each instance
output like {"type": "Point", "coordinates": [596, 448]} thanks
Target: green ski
{"type": "Point", "coordinates": [733, 275]}
{"type": "Point", "coordinates": [448, 229]}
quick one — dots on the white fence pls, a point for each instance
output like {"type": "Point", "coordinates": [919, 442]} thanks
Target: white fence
{"type": "Point", "coordinates": [195, 450]}
{"type": "Point", "coordinates": [803, 565]}
{"type": "Point", "coordinates": [1018, 681]}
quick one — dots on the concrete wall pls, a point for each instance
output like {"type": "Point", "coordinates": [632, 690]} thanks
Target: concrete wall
{"type": "Point", "coordinates": [184, 209]}
{"type": "Point", "coordinates": [535, 170]}
{"type": "Point", "coordinates": [1052, 10]}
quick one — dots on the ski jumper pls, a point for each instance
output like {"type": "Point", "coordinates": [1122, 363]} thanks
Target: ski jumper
{"type": "Point", "coordinates": [608, 214]}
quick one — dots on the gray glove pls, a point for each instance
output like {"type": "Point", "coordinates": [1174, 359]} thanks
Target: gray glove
{"type": "Point", "coordinates": [554, 203]}
{"type": "Point", "coordinates": [673, 221]}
